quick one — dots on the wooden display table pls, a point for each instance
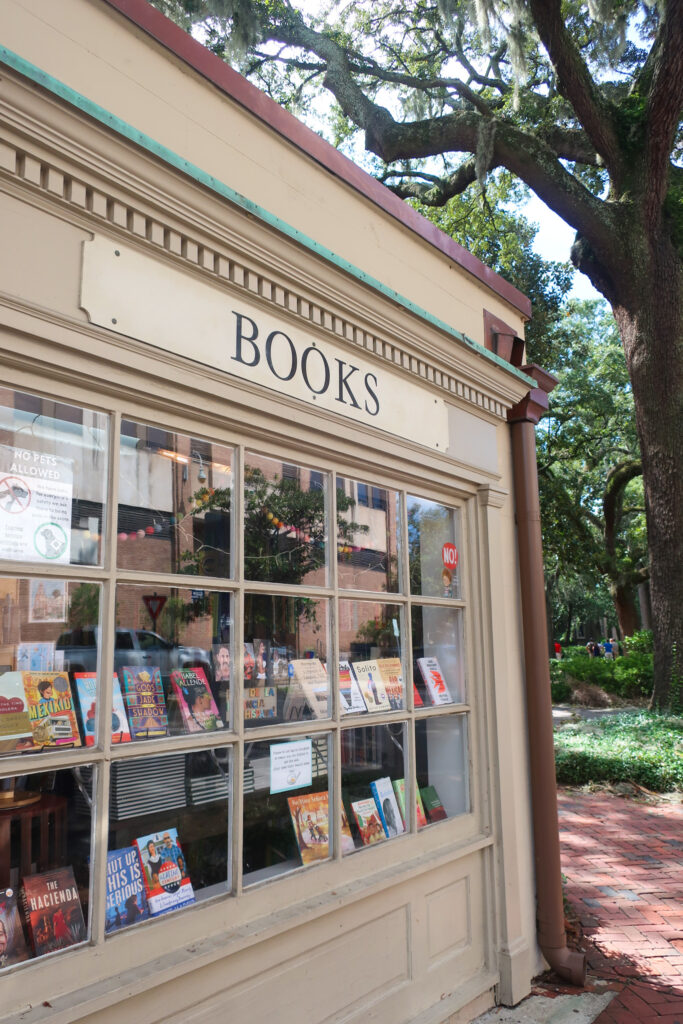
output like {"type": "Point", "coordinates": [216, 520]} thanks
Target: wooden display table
{"type": "Point", "coordinates": [43, 821]}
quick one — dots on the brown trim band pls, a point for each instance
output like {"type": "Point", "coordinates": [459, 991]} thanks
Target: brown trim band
{"type": "Point", "coordinates": [225, 78]}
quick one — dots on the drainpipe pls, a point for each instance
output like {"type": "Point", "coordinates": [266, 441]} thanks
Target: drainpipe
{"type": "Point", "coordinates": [550, 911]}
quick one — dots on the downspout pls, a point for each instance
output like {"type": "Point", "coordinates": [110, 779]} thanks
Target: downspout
{"type": "Point", "coordinates": [549, 907]}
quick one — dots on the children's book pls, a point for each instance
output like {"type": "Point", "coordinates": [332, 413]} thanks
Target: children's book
{"type": "Point", "coordinates": [52, 910]}
{"type": "Point", "coordinates": [126, 900]}
{"type": "Point", "coordinates": [400, 791]}
{"type": "Point", "coordinates": [310, 818]}
{"type": "Point", "coordinates": [51, 709]}
{"type": "Point", "coordinates": [389, 813]}
{"type": "Point", "coordinates": [164, 871]}
{"type": "Point", "coordinates": [308, 686]}
{"type": "Point", "coordinates": [143, 693]}
{"type": "Point", "coordinates": [391, 674]}
{"type": "Point", "coordinates": [349, 691]}
{"type": "Point", "coordinates": [371, 686]}
{"type": "Point", "coordinates": [86, 691]}
{"type": "Point", "coordinates": [13, 947]}
{"type": "Point", "coordinates": [260, 702]}
{"type": "Point", "coordinates": [434, 681]}
{"type": "Point", "coordinates": [15, 722]}
{"type": "Point", "coordinates": [197, 706]}
{"type": "Point", "coordinates": [368, 820]}
{"type": "Point", "coordinates": [434, 809]}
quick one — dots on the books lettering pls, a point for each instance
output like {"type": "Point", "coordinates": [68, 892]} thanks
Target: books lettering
{"type": "Point", "coordinates": [400, 791]}
{"type": "Point", "coordinates": [434, 680]}
{"type": "Point", "coordinates": [143, 693]}
{"type": "Point", "coordinates": [164, 872]}
{"type": "Point", "coordinates": [310, 818]}
{"type": "Point", "coordinates": [349, 691]}
{"type": "Point", "coordinates": [389, 814]}
{"type": "Point", "coordinates": [371, 685]}
{"type": "Point", "coordinates": [308, 688]}
{"type": "Point", "coordinates": [260, 702]}
{"type": "Point", "coordinates": [86, 691]}
{"type": "Point", "coordinates": [53, 910]}
{"type": "Point", "coordinates": [197, 706]}
{"type": "Point", "coordinates": [50, 708]}
{"type": "Point", "coordinates": [13, 948]}
{"type": "Point", "coordinates": [434, 809]}
{"type": "Point", "coordinates": [369, 824]}
{"type": "Point", "coordinates": [15, 723]}
{"type": "Point", "coordinates": [391, 674]}
{"type": "Point", "coordinates": [126, 900]}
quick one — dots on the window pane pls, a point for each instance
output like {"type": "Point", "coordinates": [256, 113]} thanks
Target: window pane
{"type": "Point", "coordinates": [46, 629]}
{"type": "Point", "coordinates": [285, 658]}
{"type": "Point", "coordinates": [433, 548]}
{"type": "Point", "coordinates": [175, 502]}
{"type": "Point", "coordinates": [168, 834]}
{"type": "Point", "coordinates": [53, 478]}
{"type": "Point", "coordinates": [370, 651]}
{"type": "Point", "coordinates": [172, 659]}
{"type": "Point", "coordinates": [367, 538]}
{"type": "Point", "coordinates": [285, 523]}
{"type": "Point", "coordinates": [286, 806]}
{"type": "Point", "coordinates": [374, 762]}
{"type": "Point", "coordinates": [442, 766]}
{"type": "Point", "coordinates": [44, 856]}
{"type": "Point", "coordinates": [438, 671]}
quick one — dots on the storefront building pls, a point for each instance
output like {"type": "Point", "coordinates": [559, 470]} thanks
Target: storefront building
{"type": "Point", "coordinates": [262, 728]}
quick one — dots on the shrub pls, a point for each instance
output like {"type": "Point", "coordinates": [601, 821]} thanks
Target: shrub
{"type": "Point", "coordinates": [641, 642]}
{"type": "Point", "coordinates": [629, 677]}
{"type": "Point", "coordinates": [560, 691]}
{"type": "Point", "coordinates": [634, 675]}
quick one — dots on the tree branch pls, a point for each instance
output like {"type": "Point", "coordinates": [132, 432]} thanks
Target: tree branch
{"type": "Point", "coordinates": [617, 480]}
{"type": "Point", "coordinates": [664, 104]}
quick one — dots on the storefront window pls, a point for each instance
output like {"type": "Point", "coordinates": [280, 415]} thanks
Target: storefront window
{"type": "Point", "coordinates": [373, 778]}
{"type": "Point", "coordinates": [442, 766]}
{"type": "Point", "coordinates": [434, 548]}
{"type": "Point", "coordinates": [45, 830]}
{"type": "Point", "coordinates": [285, 659]}
{"type": "Point", "coordinates": [370, 650]}
{"type": "Point", "coordinates": [286, 806]}
{"type": "Point", "coordinates": [437, 655]}
{"type": "Point", "coordinates": [367, 537]}
{"type": "Point", "coordinates": [175, 503]}
{"type": "Point", "coordinates": [53, 474]}
{"type": "Point", "coordinates": [285, 522]}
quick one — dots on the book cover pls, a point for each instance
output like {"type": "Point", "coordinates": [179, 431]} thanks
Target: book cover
{"type": "Point", "coordinates": [368, 820]}
{"type": "Point", "coordinates": [278, 666]}
{"type": "Point", "coordinates": [143, 693]}
{"type": "Point", "coordinates": [391, 674]}
{"type": "Point", "coordinates": [349, 691]}
{"type": "Point", "coordinates": [389, 813]}
{"type": "Point", "coordinates": [249, 665]}
{"type": "Point", "coordinates": [309, 675]}
{"type": "Point", "coordinates": [53, 910]}
{"type": "Point", "coordinates": [371, 686]}
{"type": "Point", "coordinates": [197, 706]}
{"type": "Point", "coordinates": [417, 697]}
{"type": "Point", "coordinates": [260, 702]}
{"type": "Point", "coordinates": [126, 900]}
{"type": "Point", "coordinates": [434, 681]}
{"type": "Point", "coordinates": [347, 843]}
{"type": "Point", "coordinates": [15, 722]}
{"type": "Point", "coordinates": [400, 791]}
{"type": "Point", "coordinates": [434, 809]}
{"type": "Point", "coordinates": [86, 691]}
{"type": "Point", "coordinates": [13, 947]}
{"type": "Point", "coordinates": [51, 709]}
{"type": "Point", "coordinates": [261, 658]}
{"type": "Point", "coordinates": [164, 871]}
{"type": "Point", "coordinates": [310, 818]}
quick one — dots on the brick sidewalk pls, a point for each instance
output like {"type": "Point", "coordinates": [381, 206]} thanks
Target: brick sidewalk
{"type": "Point", "coordinates": [624, 866]}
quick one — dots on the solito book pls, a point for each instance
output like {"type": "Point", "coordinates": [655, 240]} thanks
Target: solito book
{"type": "Point", "coordinates": [371, 685]}
{"type": "Point", "coordinates": [51, 709]}
{"type": "Point", "coordinates": [53, 910]}
{"type": "Point", "coordinates": [197, 706]}
{"type": "Point", "coordinates": [143, 693]}
{"type": "Point", "coordinates": [310, 818]}
{"type": "Point", "coordinates": [164, 871]}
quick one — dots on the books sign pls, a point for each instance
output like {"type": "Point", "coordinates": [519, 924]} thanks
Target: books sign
{"type": "Point", "coordinates": [35, 506]}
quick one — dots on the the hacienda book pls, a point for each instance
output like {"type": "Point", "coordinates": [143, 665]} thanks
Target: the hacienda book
{"type": "Point", "coordinates": [52, 910]}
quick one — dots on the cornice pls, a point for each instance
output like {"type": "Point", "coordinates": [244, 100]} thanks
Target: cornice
{"type": "Point", "coordinates": [77, 170]}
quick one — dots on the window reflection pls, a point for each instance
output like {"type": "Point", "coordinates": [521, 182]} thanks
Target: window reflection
{"type": "Point", "coordinates": [442, 766]}
{"type": "Point", "coordinates": [438, 670]}
{"type": "Point", "coordinates": [367, 537]}
{"type": "Point", "coordinates": [370, 667]}
{"type": "Point", "coordinates": [373, 785]}
{"type": "Point", "coordinates": [433, 548]}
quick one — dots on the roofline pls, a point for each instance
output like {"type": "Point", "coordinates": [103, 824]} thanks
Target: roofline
{"type": "Point", "coordinates": [234, 85]}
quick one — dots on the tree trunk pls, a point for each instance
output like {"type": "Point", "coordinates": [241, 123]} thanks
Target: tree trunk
{"type": "Point", "coordinates": [649, 314]}
{"type": "Point", "coordinates": [624, 598]}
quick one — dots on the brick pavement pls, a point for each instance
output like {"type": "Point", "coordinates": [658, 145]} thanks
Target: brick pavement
{"type": "Point", "coordinates": [624, 866]}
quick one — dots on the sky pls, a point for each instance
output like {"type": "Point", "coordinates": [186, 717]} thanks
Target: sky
{"type": "Point", "coordinates": [553, 242]}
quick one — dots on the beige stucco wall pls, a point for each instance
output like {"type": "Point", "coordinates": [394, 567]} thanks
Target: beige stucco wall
{"type": "Point", "coordinates": [414, 930]}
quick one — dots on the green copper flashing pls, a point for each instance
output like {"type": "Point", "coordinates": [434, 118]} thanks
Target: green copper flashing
{"type": "Point", "coordinates": [126, 130]}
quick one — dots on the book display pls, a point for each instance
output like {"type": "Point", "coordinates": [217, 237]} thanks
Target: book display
{"type": "Point", "coordinates": [371, 686]}
{"type": "Point", "coordinates": [86, 691]}
{"type": "Point", "coordinates": [143, 694]}
{"type": "Point", "coordinates": [434, 681]}
{"type": "Point", "coordinates": [349, 691]}
{"type": "Point", "coordinates": [15, 722]}
{"type": "Point", "coordinates": [50, 708]}
{"type": "Point", "coordinates": [391, 674]}
{"type": "Point", "coordinates": [164, 871]}
{"type": "Point", "coordinates": [52, 910]}
{"type": "Point", "coordinates": [308, 689]}
{"type": "Point", "coordinates": [126, 899]}
{"type": "Point", "coordinates": [369, 822]}
{"type": "Point", "coordinates": [260, 702]}
{"type": "Point", "coordinates": [13, 946]}
{"type": "Point", "coordinates": [390, 815]}
{"type": "Point", "coordinates": [310, 818]}
{"type": "Point", "coordinates": [197, 706]}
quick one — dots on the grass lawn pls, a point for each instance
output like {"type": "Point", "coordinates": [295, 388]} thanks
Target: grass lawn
{"type": "Point", "coordinates": [641, 747]}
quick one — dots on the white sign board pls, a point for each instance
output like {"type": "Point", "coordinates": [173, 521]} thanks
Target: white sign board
{"type": "Point", "coordinates": [141, 297]}
{"type": "Point", "coordinates": [35, 505]}
{"type": "Point", "coordinates": [291, 765]}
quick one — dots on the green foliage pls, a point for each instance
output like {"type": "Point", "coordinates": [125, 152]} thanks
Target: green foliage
{"type": "Point", "coordinates": [84, 605]}
{"type": "Point", "coordinates": [644, 748]}
{"type": "Point", "coordinates": [641, 641]}
{"type": "Point", "coordinates": [629, 677]}
{"type": "Point", "coordinates": [560, 691]}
